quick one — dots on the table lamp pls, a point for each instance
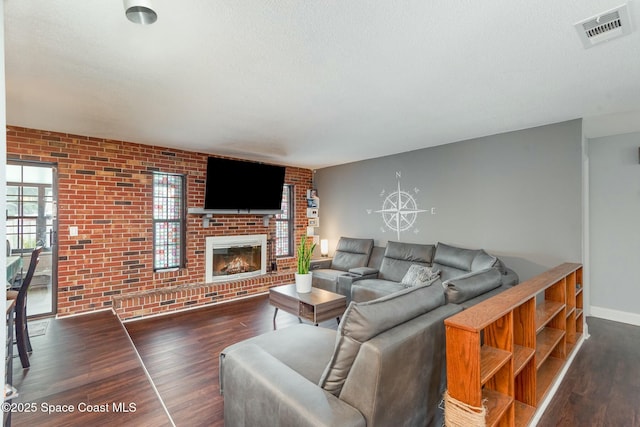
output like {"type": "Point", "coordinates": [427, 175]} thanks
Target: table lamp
{"type": "Point", "coordinates": [324, 247]}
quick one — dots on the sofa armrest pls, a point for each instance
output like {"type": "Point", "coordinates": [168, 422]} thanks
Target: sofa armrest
{"type": "Point", "coordinates": [471, 285]}
{"type": "Point", "coordinates": [364, 271]}
{"type": "Point", "coordinates": [259, 390]}
{"type": "Point", "coordinates": [316, 264]}
{"type": "Point", "coordinates": [345, 281]}
{"type": "Point", "coordinates": [510, 277]}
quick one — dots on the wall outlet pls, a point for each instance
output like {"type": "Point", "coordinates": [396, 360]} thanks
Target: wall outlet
{"type": "Point", "coordinates": [73, 231]}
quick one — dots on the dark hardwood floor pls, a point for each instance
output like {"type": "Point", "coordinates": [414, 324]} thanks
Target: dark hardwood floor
{"type": "Point", "coordinates": [181, 353]}
{"type": "Point", "coordinates": [90, 359]}
{"type": "Point", "coordinates": [85, 360]}
{"type": "Point", "coordinates": [602, 385]}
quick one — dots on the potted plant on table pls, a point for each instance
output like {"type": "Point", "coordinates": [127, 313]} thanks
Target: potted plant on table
{"type": "Point", "coordinates": [303, 277]}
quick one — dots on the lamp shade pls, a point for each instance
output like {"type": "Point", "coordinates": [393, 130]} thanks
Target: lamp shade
{"type": "Point", "coordinates": [140, 11]}
{"type": "Point", "coordinates": [324, 247]}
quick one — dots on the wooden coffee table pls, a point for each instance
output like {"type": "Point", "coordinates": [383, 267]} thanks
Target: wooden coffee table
{"type": "Point", "coordinates": [316, 306]}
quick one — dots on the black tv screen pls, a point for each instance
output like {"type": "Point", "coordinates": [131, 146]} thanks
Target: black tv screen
{"type": "Point", "coordinates": [240, 185]}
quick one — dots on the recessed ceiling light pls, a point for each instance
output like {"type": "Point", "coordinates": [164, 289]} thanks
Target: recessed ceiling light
{"type": "Point", "coordinates": [140, 11]}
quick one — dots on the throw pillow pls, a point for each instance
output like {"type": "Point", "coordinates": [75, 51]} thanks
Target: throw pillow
{"type": "Point", "coordinates": [419, 275]}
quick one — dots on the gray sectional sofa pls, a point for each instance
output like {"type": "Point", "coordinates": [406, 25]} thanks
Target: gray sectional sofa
{"type": "Point", "coordinates": [384, 366]}
{"type": "Point", "coordinates": [386, 363]}
{"type": "Point", "coordinates": [467, 275]}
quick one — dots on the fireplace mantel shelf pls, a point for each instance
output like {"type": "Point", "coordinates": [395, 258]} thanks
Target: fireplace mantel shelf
{"type": "Point", "coordinates": [207, 214]}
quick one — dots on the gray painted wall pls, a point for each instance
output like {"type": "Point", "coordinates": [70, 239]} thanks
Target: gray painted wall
{"type": "Point", "coordinates": [614, 228]}
{"type": "Point", "coordinates": [517, 195]}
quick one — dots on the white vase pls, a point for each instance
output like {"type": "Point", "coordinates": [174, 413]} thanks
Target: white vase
{"type": "Point", "coordinates": [303, 283]}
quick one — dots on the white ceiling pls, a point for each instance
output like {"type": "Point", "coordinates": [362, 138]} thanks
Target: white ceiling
{"type": "Point", "coordinates": [312, 83]}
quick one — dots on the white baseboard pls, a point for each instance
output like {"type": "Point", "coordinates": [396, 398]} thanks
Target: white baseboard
{"type": "Point", "coordinates": [615, 315]}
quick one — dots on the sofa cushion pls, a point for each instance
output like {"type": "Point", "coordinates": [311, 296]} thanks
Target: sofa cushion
{"type": "Point", "coordinates": [377, 253]}
{"type": "Point", "coordinates": [398, 257]}
{"type": "Point", "coordinates": [351, 253]}
{"type": "Point", "coordinates": [451, 256]}
{"type": "Point", "coordinates": [409, 251]}
{"type": "Point", "coordinates": [289, 343]}
{"type": "Point", "coordinates": [484, 260]}
{"type": "Point", "coordinates": [370, 289]}
{"type": "Point", "coordinates": [465, 287]}
{"type": "Point", "coordinates": [419, 275]}
{"type": "Point", "coordinates": [363, 321]}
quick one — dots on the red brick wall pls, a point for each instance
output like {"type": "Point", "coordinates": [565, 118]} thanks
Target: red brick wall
{"type": "Point", "coordinates": [104, 189]}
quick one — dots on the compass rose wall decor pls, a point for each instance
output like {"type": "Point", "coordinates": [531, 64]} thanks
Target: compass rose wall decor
{"type": "Point", "coordinates": [400, 209]}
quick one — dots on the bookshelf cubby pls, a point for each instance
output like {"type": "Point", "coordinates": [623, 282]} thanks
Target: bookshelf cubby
{"type": "Point", "coordinates": [506, 352]}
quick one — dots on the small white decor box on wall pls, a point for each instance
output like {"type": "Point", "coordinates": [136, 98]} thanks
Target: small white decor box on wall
{"type": "Point", "coordinates": [313, 201]}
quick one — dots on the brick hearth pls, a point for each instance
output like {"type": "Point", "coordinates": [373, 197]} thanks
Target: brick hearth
{"type": "Point", "coordinates": [174, 298]}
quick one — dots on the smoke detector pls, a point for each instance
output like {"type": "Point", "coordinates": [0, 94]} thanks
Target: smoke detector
{"type": "Point", "coordinates": [605, 26]}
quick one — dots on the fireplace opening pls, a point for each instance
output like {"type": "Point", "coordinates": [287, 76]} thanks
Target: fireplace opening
{"type": "Point", "coordinates": [236, 260]}
{"type": "Point", "coordinates": [235, 257]}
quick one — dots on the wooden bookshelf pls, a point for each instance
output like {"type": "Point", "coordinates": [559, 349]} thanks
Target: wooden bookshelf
{"type": "Point", "coordinates": [506, 352]}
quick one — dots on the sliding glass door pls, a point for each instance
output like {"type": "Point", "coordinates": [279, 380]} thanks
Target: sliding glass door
{"type": "Point", "coordinates": [32, 222]}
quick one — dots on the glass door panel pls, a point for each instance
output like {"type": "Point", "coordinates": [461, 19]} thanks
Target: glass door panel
{"type": "Point", "coordinates": [31, 222]}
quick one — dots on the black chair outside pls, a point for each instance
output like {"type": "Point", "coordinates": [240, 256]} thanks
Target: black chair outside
{"type": "Point", "coordinates": [22, 331]}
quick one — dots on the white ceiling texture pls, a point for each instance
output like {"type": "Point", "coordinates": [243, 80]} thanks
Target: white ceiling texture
{"type": "Point", "coordinates": [314, 83]}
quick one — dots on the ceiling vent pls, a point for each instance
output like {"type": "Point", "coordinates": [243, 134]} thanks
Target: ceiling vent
{"type": "Point", "coordinates": [606, 26]}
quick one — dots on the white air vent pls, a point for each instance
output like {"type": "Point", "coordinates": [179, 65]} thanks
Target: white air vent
{"type": "Point", "coordinates": [608, 25]}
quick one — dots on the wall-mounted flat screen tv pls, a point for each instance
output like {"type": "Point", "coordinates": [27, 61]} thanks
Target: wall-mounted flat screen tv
{"type": "Point", "coordinates": [240, 185]}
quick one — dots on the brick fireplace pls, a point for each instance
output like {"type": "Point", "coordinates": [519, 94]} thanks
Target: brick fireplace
{"type": "Point", "coordinates": [104, 189]}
